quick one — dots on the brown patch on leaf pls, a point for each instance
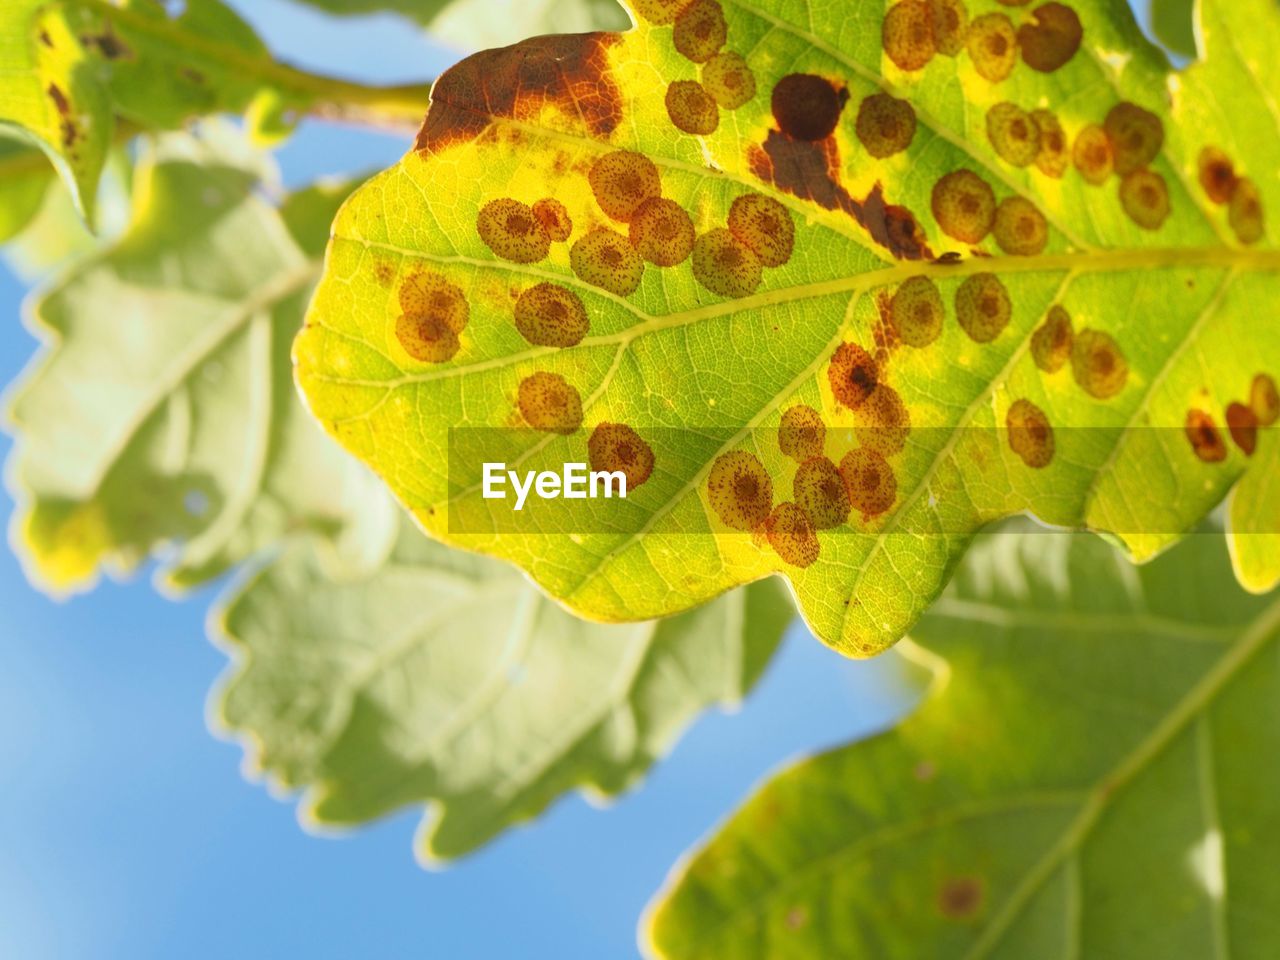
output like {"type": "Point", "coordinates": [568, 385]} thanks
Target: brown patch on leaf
{"type": "Point", "coordinates": [548, 315]}
{"type": "Point", "coordinates": [554, 218]}
{"type": "Point", "coordinates": [1264, 400]}
{"type": "Point", "coordinates": [806, 106]}
{"type": "Point", "coordinates": [765, 226]}
{"type": "Point", "coordinates": [869, 482]}
{"type": "Point", "coordinates": [569, 72]}
{"type": "Point", "coordinates": [70, 132]}
{"type": "Point", "coordinates": [740, 490]}
{"type": "Point", "coordinates": [961, 898]}
{"type": "Point", "coordinates": [662, 232]}
{"type": "Point", "coordinates": [1097, 364]}
{"type": "Point", "coordinates": [791, 534]}
{"type": "Point", "coordinates": [1205, 438]}
{"type": "Point", "coordinates": [691, 108]}
{"type": "Point", "coordinates": [1051, 343]}
{"type": "Point", "coordinates": [853, 375]}
{"type": "Point", "coordinates": [1050, 38]}
{"type": "Point", "coordinates": [617, 447]}
{"type": "Point", "coordinates": [1030, 434]}
{"type": "Point", "coordinates": [550, 403]}
{"type": "Point", "coordinates": [1217, 174]}
{"type": "Point", "coordinates": [983, 307]}
{"type": "Point", "coordinates": [1242, 424]}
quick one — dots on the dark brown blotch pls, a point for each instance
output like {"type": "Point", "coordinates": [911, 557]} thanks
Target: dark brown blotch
{"type": "Point", "coordinates": [1205, 437]}
{"type": "Point", "coordinates": [1217, 174]}
{"type": "Point", "coordinates": [806, 106]}
{"type": "Point", "coordinates": [853, 375]}
{"type": "Point", "coordinates": [1030, 434]}
{"type": "Point", "coordinates": [1242, 424]}
{"type": "Point", "coordinates": [1051, 38]}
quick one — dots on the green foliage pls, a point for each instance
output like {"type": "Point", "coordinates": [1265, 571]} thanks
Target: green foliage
{"type": "Point", "coordinates": [975, 415]}
{"type": "Point", "coordinates": [442, 678]}
{"type": "Point", "coordinates": [162, 410]}
{"type": "Point", "coordinates": [1253, 517]}
{"type": "Point", "coordinates": [1086, 779]}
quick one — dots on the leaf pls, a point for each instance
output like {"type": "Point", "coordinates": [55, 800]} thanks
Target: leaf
{"type": "Point", "coordinates": [160, 417]}
{"type": "Point", "coordinates": [444, 679]}
{"type": "Point", "coordinates": [75, 75]}
{"type": "Point", "coordinates": [1087, 778]}
{"type": "Point", "coordinates": [1172, 22]}
{"type": "Point", "coordinates": [24, 181]}
{"type": "Point", "coordinates": [1253, 516]}
{"type": "Point", "coordinates": [475, 24]}
{"type": "Point", "coordinates": [1165, 321]}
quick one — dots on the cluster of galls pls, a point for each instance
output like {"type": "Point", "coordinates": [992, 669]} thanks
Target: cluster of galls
{"type": "Point", "coordinates": [1240, 194]}
{"type": "Point", "coordinates": [699, 33]}
{"type": "Point", "coordinates": [914, 31]}
{"type": "Point", "coordinates": [1243, 422]}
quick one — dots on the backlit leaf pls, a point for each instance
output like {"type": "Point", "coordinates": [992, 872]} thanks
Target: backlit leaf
{"type": "Point", "coordinates": [161, 416]}
{"type": "Point", "coordinates": [1090, 776]}
{"type": "Point", "coordinates": [1074, 361]}
{"type": "Point", "coordinates": [443, 678]}
{"type": "Point", "coordinates": [1253, 517]}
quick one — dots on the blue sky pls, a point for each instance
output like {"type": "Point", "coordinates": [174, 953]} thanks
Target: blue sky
{"type": "Point", "coordinates": [127, 831]}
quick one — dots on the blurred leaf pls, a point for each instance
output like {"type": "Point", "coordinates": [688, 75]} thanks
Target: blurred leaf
{"type": "Point", "coordinates": [444, 678]}
{"type": "Point", "coordinates": [1091, 776]}
{"type": "Point", "coordinates": [476, 24]}
{"type": "Point", "coordinates": [1173, 25]}
{"type": "Point", "coordinates": [24, 180]}
{"type": "Point", "coordinates": [162, 409]}
{"type": "Point", "coordinates": [925, 357]}
{"type": "Point", "coordinates": [1254, 519]}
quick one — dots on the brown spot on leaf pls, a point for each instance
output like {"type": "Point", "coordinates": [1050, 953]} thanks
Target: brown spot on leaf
{"type": "Point", "coordinates": [885, 124]}
{"type": "Point", "coordinates": [964, 205]}
{"type": "Point", "coordinates": [853, 375]}
{"type": "Point", "coordinates": [110, 46]}
{"type": "Point", "coordinates": [429, 296]}
{"type": "Point", "coordinates": [1051, 158]}
{"type": "Point", "coordinates": [801, 433]}
{"type": "Point", "coordinates": [765, 226]}
{"type": "Point", "coordinates": [550, 403]}
{"type": "Point", "coordinates": [700, 30]}
{"type": "Point", "coordinates": [1051, 343]}
{"type": "Point", "coordinates": [790, 532]}
{"type": "Point", "coordinates": [659, 12]}
{"type": "Point", "coordinates": [882, 422]}
{"type": "Point", "coordinates": [916, 312]}
{"type": "Point", "coordinates": [1245, 212]}
{"type": "Point", "coordinates": [1204, 436]}
{"type": "Point", "coordinates": [509, 228]}
{"type": "Point", "coordinates": [1217, 174]}
{"type": "Point", "coordinates": [869, 481]}
{"type": "Point", "coordinates": [427, 338]}
{"type": "Point", "coordinates": [662, 232]}
{"type": "Point", "coordinates": [46, 39]}
{"type": "Point", "coordinates": [961, 898]}
{"type": "Point", "coordinates": [993, 46]}
{"type": "Point", "coordinates": [983, 307]}
{"type": "Point", "coordinates": [806, 106]}
{"type": "Point", "coordinates": [1030, 433]}
{"type": "Point", "coordinates": [383, 273]}
{"type": "Point", "coordinates": [606, 259]}
{"type": "Point", "coordinates": [1050, 38]}
{"type": "Point", "coordinates": [1020, 229]}
{"type": "Point", "coordinates": [725, 265]}
{"type": "Point", "coordinates": [1136, 136]}
{"type": "Point", "coordinates": [1242, 424]}
{"type": "Point", "coordinates": [728, 79]}
{"type": "Point", "coordinates": [1264, 400]}
{"type": "Point", "coordinates": [569, 72]}
{"type": "Point", "coordinates": [617, 447]}
{"type": "Point", "coordinates": [70, 132]}
{"type": "Point", "coordinates": [1099, 367]}
{"type": "Point", "coordinates": [1013, 134]}
{"type": "Point", "coordinates": [821, 493]}
{"type": "Point", "coordinates": [554, 219]}
{"type": "Point", "coordinates": [1092, 154]}
{"type": "Point", "coordinates": [907, 34]}
{"type": "Point", "coordinates": [622, 180]}
{"type": "Point", "coordinates": [548, 315]}
{"type": "Point", "coordinates": [1145, 198]}
{"type": "Point", "coordinates": [691, 108]}
{"type": "Point", "coordinates": [740, 490]}
{"type": "Point", "coordinates": [950, 25]}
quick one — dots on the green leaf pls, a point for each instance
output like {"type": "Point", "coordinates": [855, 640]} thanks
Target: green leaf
{"type": "Point", "coordinates": [24, 181]}
{"type": "Point", "coordinates": [1166, 320]}
{"type": "Point", "coordinates": [75, 75]}
{"type": "Point", "coordinates": [1173, 25]}
{"type": "Point", "coordinates": [1090, 776]}
{"type": "Point", "coordinates": [476, 24]}
{"type": "Point", "coordinates": [160, 418]}
{"type": "Point", "coordinates": [1253, 520]}
{"type": "Point", "coordinates": [444, 679]}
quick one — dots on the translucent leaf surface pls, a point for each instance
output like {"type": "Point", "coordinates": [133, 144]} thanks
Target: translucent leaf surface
{"type": "Point", "coordinates": [1254, 519]}
{"type": "Point", "coordinates": [443, 678]}
{"type": "Point", "coordinates": [982, 322]}
{"type": "Point", "coordinates": [162, 407]}
{"type": "Point", "coordinates": [1090, 776]}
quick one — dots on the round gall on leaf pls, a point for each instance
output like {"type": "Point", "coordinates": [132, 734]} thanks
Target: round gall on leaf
{"type": "Point", "coordinates": [882, 422]}
{"type": "Point", "coordinates": [1145, 198]}
{"type": "Point", "coordinates": [1136, 136]}
{"type": "Point", "coordinates": [700, 31]}
{"type": "Point", "coordinates": [853, 375]}
{"type": "Point", "coordinates": [1217, 174]}
{"type": "Point", "coordinates": [885, 125]}
{"type": "Point", "coordinates": [1013, 134]}
{"type": "Point", "coordinates": [1050, 38]}
{"type": "Point", "coordinates": [763, 225]}
{"type": "Point", "coordinates": [869, 481]}
{"type": "Point", "coordinates": [1098, 365]}
{"type": "Point", "coordinates": [607, 260]}
{"type": "Point", "coordinates": [983, 307]}
{"type": "Point", "coordinates": [964, 206]}
{"type": "Point", "coordinates": [728, 79]}
{"type": "Point", "coordinates": [806, 106]}
{"type": "Point", "coordinates": [950, 25]}
{"type": "Point", "coordinates": [659, 12]}
{"type": "Point", "coordinates": [548, 315]}
{"type": "Point", "coordinates": [740, 490]}
{"type": "Point", "coordinates": [1052, 159]}
{"type": "Point", "coordinates": [801, 434]}
{"type": "Point", "coordinates": [1051, 342]}
{"type": "Point", "coordinates": [1092, 154]}
{"type": "Point", "coordinates": [622, 180]}
{"type": "Point", "coordinates": [615, 447]}
{"type": "Point", "coordinates": [907, 34]}
{"type": "Point", "coordinates": [1205, 438]}
{"type": "Point", "coordinates": [790, 532]}
{"type": "Point", "coordinates": [1030, 434]}
{"type": "Point", "coordinates": [509, 228]}
{"type": "Point", "coordinates": [993, 46]}
{"type": "Point", "coordinates": [1242, 424]}
{"type": "Point", "coordinates": [1245, 212]}
{"type": "Point", "coordinates": [691, 108]}
{"type": "Point", "coordinates": [725, 265]}
{"type": "Point", "coordinates": [1264, 400]}
{"type": "Point", "coordinates": [662, 232]}
{"type": "Point", "coordinates": [916, 312]}
{"type": "Point", "coordinates": [427, 338]}
{"type": "Point", "coordinates": [430, 296]}
{"type": "Point", "coordinates": [1020, 228]}
{"type": "Point", "coordinates": [821, 493]}
{"type": "Point", "coordinates": [549, 403]}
